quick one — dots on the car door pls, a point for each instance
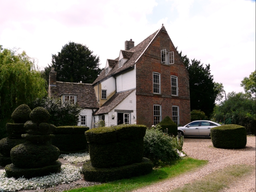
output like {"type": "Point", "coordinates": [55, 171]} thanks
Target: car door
{"type": "Point", "coordinates": [205, 128]}
{"type": "Point", "coordinates": [192, 129]}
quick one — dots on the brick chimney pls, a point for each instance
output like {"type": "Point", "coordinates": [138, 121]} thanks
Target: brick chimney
{"type": "Point", "coordinates": [129, 44]}
{"type": "Point", "coordinates": [52, 82]}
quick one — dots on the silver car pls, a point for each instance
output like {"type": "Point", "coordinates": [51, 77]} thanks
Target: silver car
{"type": "Point", "coordinates": [197, 128]}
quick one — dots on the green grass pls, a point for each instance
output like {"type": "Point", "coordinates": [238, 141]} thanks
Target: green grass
{"type": "Point", "coordinates": [159, 174]}
{"type": "Point", "coordinates": [217, 180]}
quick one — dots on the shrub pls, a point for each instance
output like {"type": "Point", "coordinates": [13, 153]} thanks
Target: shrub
{"type": "Point", "coordinates": [229, 136]}
{"type": "Point", "coordinates": [168, 124]}
{"type": "Point", "coordinates": [21, 114]}
{"type": "Point", "coordinates": [61, 115]}
{"type": "Point", "coordinates": [197, 115]}
{"type": "Point", "coordinates": [39, 115]}
{"type": "Point", "coordinates": [158, 147]}
{"type": "Point", "coordinates": [116, 146]}
{"type": "Point", "coordinates": [114, 173]}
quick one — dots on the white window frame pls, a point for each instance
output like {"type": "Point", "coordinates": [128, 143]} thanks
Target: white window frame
{"type": "Point", "coordinates": [126, 118]}
{"type": "Point", "coordinates": [174, 87]}
{"type": "Point", "coordinates": [83, 120]}
{"type": "Point", "coordinates": [105, 94]}
{"type": "Point", "coordinates": [68, 98]}
{"type": "Point", "coordinates": [157, 116]}
{"type": "Point", "coordinates": [176, 114]}
{"type": "Point", "coordinates": [156, 83]}
{"type": "Point", "coordinates": [167, 58]}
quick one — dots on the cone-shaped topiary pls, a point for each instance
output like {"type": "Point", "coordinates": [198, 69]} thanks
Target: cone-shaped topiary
{"type": "Point", "coordinates": [21, 114]}
{"type": "Point", "coordinates": [168, 124]}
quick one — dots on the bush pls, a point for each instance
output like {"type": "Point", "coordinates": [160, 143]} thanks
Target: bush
{"type": "Point", "coordinates": [116, 146]}
{"type": "Point", "coordinates": [229, 136]}
{"type": "Point", "coordinates": [61, 115]}
{"type": "Point", "coordinates": [21, 114]}
{"type": "Point", "coordinates": [168, 124]}
{"type": "Point", "coordinates": [70, 139]}
{"type": "Point", "coordinates": [39, 115]}
{"type": "Point", "coordinates": [197, 115]}
{"type": "Point", "coordinates": [109, 174]}
{"type": "Point", "coordinates": [158, 147]}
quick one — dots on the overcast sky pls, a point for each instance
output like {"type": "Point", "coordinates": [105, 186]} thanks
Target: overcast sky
{"type": "Point", "coordinates": [216, 32]}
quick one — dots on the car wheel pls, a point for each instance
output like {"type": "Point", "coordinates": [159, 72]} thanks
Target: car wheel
{"type": "Point", "coordinates": [180, 133]}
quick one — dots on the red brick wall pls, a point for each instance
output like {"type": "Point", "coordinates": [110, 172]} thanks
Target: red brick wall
{"type": "Point", "coordinates": [151, 62]}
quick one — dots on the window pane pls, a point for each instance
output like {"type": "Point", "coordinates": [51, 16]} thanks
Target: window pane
{"type": "Point", "coordinates": [156, 83]}
{"type": "Point", "coordinates": [72, 100]}
{"type": "Point", "coordinates": [83, 120]}
{"type": "Point", "coordinates": [157, 114]}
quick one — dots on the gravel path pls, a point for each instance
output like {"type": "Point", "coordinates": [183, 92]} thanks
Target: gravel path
{"type": "Point", "coordinates": [218, 159]}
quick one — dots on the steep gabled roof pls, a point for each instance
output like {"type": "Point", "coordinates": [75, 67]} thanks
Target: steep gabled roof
{"type": "Point", "coordinates": [132, 55]}
{"type": "Point", "coordinates": [113, 102]}
{"type": "Point", "coordinates": [85, 93]}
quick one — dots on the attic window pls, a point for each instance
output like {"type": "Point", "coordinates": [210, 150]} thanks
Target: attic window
{"type": "Point", "coordinates": [167, 58]}
{"type": "Point", "coordinates": [70, 99]}
{"type": "Point", "coordinates": [104, 94]}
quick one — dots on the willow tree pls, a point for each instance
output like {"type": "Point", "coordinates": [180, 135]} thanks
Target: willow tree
{"type": "Point", "coordinates": [19, 81]}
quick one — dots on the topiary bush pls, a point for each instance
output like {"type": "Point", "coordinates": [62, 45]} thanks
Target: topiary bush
{"type": "Point", "coordinates": [21, 114]}
{"type": "Point", "coordinates": [115, 146]}
{"type": "Point", "coordinates": [70, 139]}
{"type": "Point", "coordinates": [114, 173]}
{"type": "Point", "coordinates": [159, 148]}
{"type": "Point", "coordinates": [168, 124]}
{"type": "Point", "coordinates": [229, 136]}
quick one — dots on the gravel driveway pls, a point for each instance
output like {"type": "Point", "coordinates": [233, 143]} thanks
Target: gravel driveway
{"type": "Point", "coordinates": [218, 159]}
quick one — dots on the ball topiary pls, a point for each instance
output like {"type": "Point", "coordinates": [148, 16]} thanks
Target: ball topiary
{"type": "Point", "coordinates": [229, 136]}
{"type": "Point", "coordinates": [21, 114]}
{"type": "Point", "coordinates": [39, 115]}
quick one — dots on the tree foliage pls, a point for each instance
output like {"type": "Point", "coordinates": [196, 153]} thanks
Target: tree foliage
{"type": "Point", "coordinates": [239, 108]}
{"type": "Point", "coordinates": [202, 86]}
{"type": "Point", "coordinates": [60, 115]}
{"type": "Point", "coordinates": [249, 84]}
{"type": "Point", "coordinates": [75, 63]}
{"type": "Point", "coordinates": [19, 81]}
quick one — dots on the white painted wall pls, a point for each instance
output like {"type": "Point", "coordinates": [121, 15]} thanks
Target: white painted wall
{"type": "Point", "coordinates": [129, 103]}
{"type": "Point", "coordinates": [126, 81]}
{"type": "Point", "coordinates": [109, 85]}
{"type": "Point", "coordinates": [88, 113]}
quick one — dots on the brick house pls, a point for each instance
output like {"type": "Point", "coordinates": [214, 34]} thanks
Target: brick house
{"type": "Point", "coordinates": [75, 93]}
{"type": "Point", "coordinates": [144, 84]}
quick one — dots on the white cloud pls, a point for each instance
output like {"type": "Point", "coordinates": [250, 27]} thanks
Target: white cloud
{"type": "Point", "coordinates": [219, 33]}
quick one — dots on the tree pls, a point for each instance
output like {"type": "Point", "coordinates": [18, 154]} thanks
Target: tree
{"type": "Point", "coordinates": [61, 115]}
{"type": "Point", "coordinates": [75, 63]}
{"type": "Point", "coordinates": [249, 84]}
{"type": "Point", "coordinates": [19, 81]}
{"type": "Point", "coordinates": [201, 84]}
{"type": "Point", "coordinates": [239, 109]}
{"type": "Point", "coordinates": [219, 88]}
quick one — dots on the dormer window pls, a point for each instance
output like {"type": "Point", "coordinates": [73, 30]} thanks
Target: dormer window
{"type": "Point", "coordinates": [167, 58]}
{"type": "Point", "coordinates": [69, 99]}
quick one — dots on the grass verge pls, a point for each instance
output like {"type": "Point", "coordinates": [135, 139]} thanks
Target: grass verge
{"type": "Point", "coordinates": [159, 174]}
{"type": "Point", "coordinates": [217, 180]}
